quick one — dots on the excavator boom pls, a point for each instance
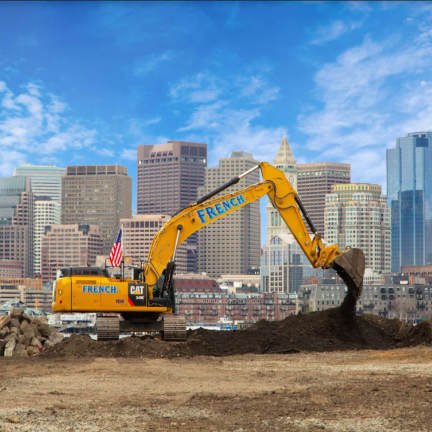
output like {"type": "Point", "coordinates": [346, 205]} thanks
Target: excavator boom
{"type": "Point", "coordinates": [348, 264]}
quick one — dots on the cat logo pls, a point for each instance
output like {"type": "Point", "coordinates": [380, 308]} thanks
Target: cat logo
{"type": "Point", "coordinates": [136, 289]}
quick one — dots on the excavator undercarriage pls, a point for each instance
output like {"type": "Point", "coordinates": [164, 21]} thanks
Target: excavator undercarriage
{"type": "Point", "coordinates": [170, 327]}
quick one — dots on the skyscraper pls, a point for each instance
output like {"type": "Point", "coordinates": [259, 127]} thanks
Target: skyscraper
{"type": "Point", "coordinates": [315, 180]}
{"type": "Point", "coordinates": [97, 195]}
{"type": "Point", "coordinates": [168, 179]}
{"type": "Point", "coordinates": [409, 196]}
{"type": "Point", "coordinates": [16, 222]}
{"type": "Point", "coordinates": [231, 245]}
{"type": "Point", "coordinates": [45, 180]}
{"type": "Point", "coordinates": [46, 185]}
{"type": "Point", "coordinates": [357, 215]}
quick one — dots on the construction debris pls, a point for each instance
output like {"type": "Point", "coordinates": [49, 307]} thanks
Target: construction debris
{"type": "Point", "coordinates": [23, 336]}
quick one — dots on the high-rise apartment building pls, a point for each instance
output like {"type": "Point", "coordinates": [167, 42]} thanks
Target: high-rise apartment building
{"type": "Point", "coordinates": [138, 234]}
{"type": "Point", "coordinates": [97, 195]}
{"type": "Point", "coordinates": [46, 212]}
{"type": "Point", "coordinates": [46, 185]}
{"type": "Point", "coordinates": [67, 246]}
{"type": "Point", "coordinates": [409, 196]}
{"type": "Point", "coordinates": [168, 179]}
{"type": "Point", "coordinates": [16, 222]}
{"type": "Point", "coordinates": [357, 215]}
{"type": "Point", "coordinates": [282, 260]}
{"type": "Point", "coordinates": [231, 245]}
{"type": "Point", "coordinates": [314, 182]}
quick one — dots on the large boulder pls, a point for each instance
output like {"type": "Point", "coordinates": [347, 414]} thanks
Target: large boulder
{"type": "Point", "coordinates": [9, 348]}
{"type": "Point", "coordinates": [20, 350]}
{"type": "Point", "coordinates": [4, 331]}
{"type": "Point", "coordinates": [16, 313]}
{"type": "Point", "coordinates": [4, 320]}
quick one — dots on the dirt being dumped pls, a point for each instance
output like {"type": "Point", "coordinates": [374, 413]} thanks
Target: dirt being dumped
{"type": "Point", "coordinates": [328, 330]}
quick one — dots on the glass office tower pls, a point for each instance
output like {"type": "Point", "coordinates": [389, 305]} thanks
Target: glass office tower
{"type": "Point", "coordinates": [409, 196]}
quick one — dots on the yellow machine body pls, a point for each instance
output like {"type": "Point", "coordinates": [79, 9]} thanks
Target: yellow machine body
{"type": "Point", "coordinates": [101, 294]}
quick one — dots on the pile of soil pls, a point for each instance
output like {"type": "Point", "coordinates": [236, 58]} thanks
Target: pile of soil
{"type": "Point", "coordinates": [328, 330]}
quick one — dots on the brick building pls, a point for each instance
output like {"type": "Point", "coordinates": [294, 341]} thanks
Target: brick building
{"type": "Point", "coordinates": [202, 301]}
{"type": "Point", "coordinates": [138, 234]}
{"type": "Point", "coordinates": [67, 246]}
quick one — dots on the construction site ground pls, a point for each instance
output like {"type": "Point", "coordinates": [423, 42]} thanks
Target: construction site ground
{"type": "Point", "coordinates": [312, 372]}
{"type": "Point", "coordinates": [369, 390]}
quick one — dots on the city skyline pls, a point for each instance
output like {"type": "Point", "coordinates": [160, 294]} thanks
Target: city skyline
{"type": "Point", "coordinates": [330, 77]}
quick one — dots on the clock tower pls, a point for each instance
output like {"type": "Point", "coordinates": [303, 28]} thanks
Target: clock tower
{"type": "Point", "coordinates": [285, 162]}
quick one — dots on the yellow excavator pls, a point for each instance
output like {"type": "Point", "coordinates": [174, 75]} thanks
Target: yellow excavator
{"type": "Point", "coordinates": [146, 302]}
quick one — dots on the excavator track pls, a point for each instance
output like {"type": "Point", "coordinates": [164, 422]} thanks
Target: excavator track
{"type": "Point", "coordinates": [174, 328]}
{"type": "Point", "coordinates": [107, 327]}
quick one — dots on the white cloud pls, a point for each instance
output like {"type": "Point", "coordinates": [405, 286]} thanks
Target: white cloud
{"type": "Point", "coordinates": [103, 151]}
{"type": "Point", "coordinates": [10, 160]}
{"type": "Point", "coordinates": [129, 154]}
{"type": "Point", "coordinates": [33, 125]}
{"type": "Point", "coordinates": [261, 141]}
{"type": "Point", "coordinates": [229, 120]}
{"type": "Point", "coordinates": [206, 117]}
{"type": "Point", "coordinates": [201, 88]}
{"type": "Point", "coordinates": [152, 121]}
{"type": "Point", "coordinates": [146, 65]}
{"type": "Point", "coordinates": [334, 31]}
{"type": "Point", "coordinates": [257, 90]}
{"type": "Point", "coordinates": [370, 95]}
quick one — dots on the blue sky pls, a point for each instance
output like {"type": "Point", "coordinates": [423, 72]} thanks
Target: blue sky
{"type": "Point", "coordinates": [86, 82]}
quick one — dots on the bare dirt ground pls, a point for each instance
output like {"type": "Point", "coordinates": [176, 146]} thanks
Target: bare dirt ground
{"type": "Point", "coordinates": [368, 390]}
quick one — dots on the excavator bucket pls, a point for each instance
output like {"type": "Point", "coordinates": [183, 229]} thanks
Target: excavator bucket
{"type": "Point", "coordinates": [350, 266]}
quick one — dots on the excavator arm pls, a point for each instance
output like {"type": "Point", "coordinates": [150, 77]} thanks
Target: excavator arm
{"type": "Point", "coordinates": [210, 208]}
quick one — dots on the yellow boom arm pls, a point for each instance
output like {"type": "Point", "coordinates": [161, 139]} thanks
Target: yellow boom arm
{"type": "Point", "coordinates": [202, 213]}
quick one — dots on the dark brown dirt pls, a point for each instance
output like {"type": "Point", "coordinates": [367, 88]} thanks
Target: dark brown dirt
{"type": "Point", "coordinates": [323, 331]}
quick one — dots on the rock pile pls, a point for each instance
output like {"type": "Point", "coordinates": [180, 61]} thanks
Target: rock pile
{"type": "Point", "coordinates": [22, 335]}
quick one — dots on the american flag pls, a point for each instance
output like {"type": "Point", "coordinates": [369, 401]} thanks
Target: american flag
{"type": "Point", "coordinates": [117, 250]}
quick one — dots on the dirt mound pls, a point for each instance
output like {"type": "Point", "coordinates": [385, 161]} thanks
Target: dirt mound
{"type": "Point", "coordinates": [85, 346]}
{"type": "Point", "coordinates": [327, 330]}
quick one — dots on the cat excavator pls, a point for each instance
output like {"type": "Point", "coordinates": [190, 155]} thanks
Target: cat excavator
{"type": "Point", "coordinates": [146, 302]}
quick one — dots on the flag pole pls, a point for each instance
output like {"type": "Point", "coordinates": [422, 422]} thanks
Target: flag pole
{"type": "Point", "coordinates": [122, 259]}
